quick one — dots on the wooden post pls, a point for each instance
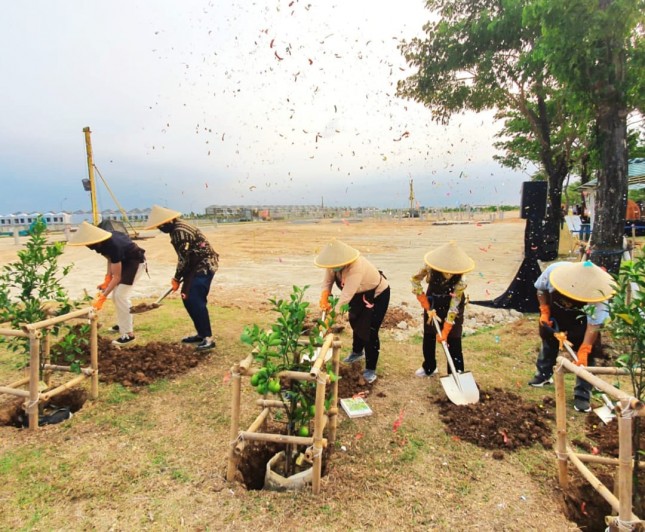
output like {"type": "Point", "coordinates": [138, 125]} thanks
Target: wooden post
{"type": "Point", "coordinates": [94, 354]}
{"type": "Point", "coordinates": [321, 385]}
{"type": "Point", "coordinates": [34, 378]}
{"type": "Point", "coordinates": [561, 425]}
{"type": "Point", "coordinates": [235, 421]}
{"type": "Point", "coordinates": [47, 375]}
{"type": "Point", "coordinates": [625, 469]}
{"type": "Point", "coordinates": [333, 410]}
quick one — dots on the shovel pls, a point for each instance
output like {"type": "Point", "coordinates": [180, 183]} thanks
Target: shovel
{"type": "Point", "coordinates": [606, 411]}
{"type": "Point", "coordinates": [460, 388]}
{"type": "Point", "coordinates": [145, 307]}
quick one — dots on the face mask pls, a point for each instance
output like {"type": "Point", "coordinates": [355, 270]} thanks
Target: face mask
{"type": "Point", "coordinates": [446, 275]}
{"type": "Point", "coordinates": [338, 269]}
{"type": "Point", "coordinates": [165, 228]}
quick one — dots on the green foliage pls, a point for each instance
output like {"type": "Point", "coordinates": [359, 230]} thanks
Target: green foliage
{"type": "Point", "coordinates": [627, 320]}
{"type": "Point", "coordinates": [627, 327]}
{"type": "Point", "coordinates": [31, 284]}
{"type": "Point", "coordinates": [281, 348]}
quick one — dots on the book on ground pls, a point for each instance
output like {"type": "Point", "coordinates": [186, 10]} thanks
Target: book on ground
{"type": "Point", "coordinates": [356, 407]}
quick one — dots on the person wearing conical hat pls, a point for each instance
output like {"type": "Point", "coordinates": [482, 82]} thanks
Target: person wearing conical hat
{"type": "Point", "coordinates": [367, 292]}
{"type": "Point", "coordinates": [443, 271]}
{"type": "Point", "coordinates": [126, 262]}
{"type": "Point", "coordinates": [564, 289]}
{"type": "Point", "coordinates": [197, 263]}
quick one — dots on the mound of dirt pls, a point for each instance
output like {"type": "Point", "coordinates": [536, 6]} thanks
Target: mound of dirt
{"type": "Point", "coordinates": [396, 315]}
{"type": "Point", "coordinates": [501, 420]}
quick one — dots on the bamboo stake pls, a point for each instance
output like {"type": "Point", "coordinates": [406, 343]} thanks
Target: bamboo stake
{"type": "Point", "coordinates": [69, 384]}
{"type": "Point", "coordinates": [561, 425]}
{"type": "Point", "coordinates": [53, 367]}
{"type": "Point", "coordinates": [270, 403]}
{"type": "Point", "coordinates": [279, 438]}
{"type": "Point", "coordinates": [47, 375]}
{"type": "Point", "coordinates": [625, 470]}
{"type": "Point", "coordinates": [239, 447]}
{"type": "Point", "coordinates": [595, 459]}
{"type": "Point", "coordinates": [34, 365]}
{"type": "Point", "coordinates": [22, 381]}
{"type": "Point", "coordinates": [94, 354]}
{"type": "Point", "coordinates": [235, 421]}
{"type": "Point", "coordinates": [595, 482]}
{"type": "Point", "coordinates": [318, 430]}
{"type": "Point", "coordinates": [599, 383]}
{"type": "Point", "coordinates": [246, 364]}
{"type": "Point", "coordinates": [320, 359]}
{"type": "Point", "coordinates": [333, 410]}
{"type": "Point", "coordinates": [13, 332]}
{"type": "Point", "coordinates": [12, 391]}
{"type": "Point", "coordinates": [28, 327]}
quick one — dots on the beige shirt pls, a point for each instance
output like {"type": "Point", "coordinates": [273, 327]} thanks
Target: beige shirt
{"type": "Point", "coordinates": [357, 277]}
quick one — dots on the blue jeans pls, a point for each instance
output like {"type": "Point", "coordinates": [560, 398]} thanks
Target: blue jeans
{"type": "Point", "coordinates": [196, 303]}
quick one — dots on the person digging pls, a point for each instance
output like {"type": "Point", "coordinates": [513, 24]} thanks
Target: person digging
{"type": "Point", "coordinates": [443, 271]}
{"type": "Point", "coordinates": [367, 292]}
{"type": "Point", "coordinates": [125, 263]}
{"type": "Point", "coordinates": [563, 291]}
{"type": "Point", "coordinates": [197, 263]}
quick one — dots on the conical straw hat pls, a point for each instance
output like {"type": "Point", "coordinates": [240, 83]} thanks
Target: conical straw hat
{"type": "Point", "coordinates": [88, 234]}
{"type": "Point", "coordinates": [449, 258]}
{"type": "Point", "coordinates": [159, 216]}
{"type": "Point", "coordinates": [336, 254]}
{"type": "Point", "coordinates": [582, 281]}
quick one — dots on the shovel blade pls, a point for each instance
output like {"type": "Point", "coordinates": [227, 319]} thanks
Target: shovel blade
{"type": "Point", "coordinates": [460, 388]}
{"type": "Point", "coordinates": [604, 413]}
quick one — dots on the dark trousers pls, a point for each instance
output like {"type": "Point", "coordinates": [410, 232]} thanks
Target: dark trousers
{"type": "Point", "coordinates": [196, 303]}
{"type": "Point", "coordinates": [373, 344]}
{"type": "Point", "coordinates": [549, 351]}
{"type": "Point", "coordinates": [430, 347]}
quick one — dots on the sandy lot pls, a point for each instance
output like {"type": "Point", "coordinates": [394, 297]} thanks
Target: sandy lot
{"type": "Point", "coordinates": [258, 260]}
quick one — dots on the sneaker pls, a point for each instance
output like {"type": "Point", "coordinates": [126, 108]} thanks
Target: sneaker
{"type": "Point", "coordinates": [581, 405]}
{"type": "Point", "coordinates": [354, 357]}
{"type": "Point", "coordinates": [538, 381]}
{"type": "Point", "coordinates": [205, 345]}
{"type": "Point", "coordinates": [195, 339]}
{"type": "Point", "coordinates": [369, 375]}
{"type": "Point", "coordinates": [422, 372]}
{"type": "Point", "coordinates": [114, 329]}
{"type": "Point", "coordinates": [122, 340]}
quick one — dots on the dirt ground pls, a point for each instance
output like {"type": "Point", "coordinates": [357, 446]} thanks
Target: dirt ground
{"type": "Point", "coordinates": [258, 261]}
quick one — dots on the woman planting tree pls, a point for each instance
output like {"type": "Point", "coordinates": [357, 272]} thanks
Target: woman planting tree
{"type": "Point", "coordinates": [367, 292]}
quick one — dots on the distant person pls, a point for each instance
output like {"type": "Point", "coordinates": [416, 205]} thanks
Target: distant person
{"type": "Point", "coordinates": [367, 292]}
{"type": "Point", "coordinates": [444, 271]}
{"type": "Point", "coordinates": [197, 263]}
{"type": "Point", "coordinates": [563, 291]}
{"type": "Point", "coordinates": [126, 262]}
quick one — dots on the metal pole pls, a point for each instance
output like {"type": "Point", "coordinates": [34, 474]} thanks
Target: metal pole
{"type": "Point", "coordinates": [90, 170]}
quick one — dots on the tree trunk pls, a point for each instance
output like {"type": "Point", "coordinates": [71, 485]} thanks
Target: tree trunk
{"type": "Point", "coordinates": [611, 195]}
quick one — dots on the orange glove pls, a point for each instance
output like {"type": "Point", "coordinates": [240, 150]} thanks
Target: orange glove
{"type": "Point", "coordinates": [443, 337]}
{"type": "Point", "coordinates": [545, 315]}
{"type": "Point", "coordinates": [174, 283]}
{"type": "Point", "coordinates": [98, 301]}
{"type": "Point", "coordinates": [583, 354]}
{"type": "Point", "coordinates": [423, 299]}
{"type": "Point", "coordinates": [324, 300]}
{"type": "Point", "coordinates": [106, 282]}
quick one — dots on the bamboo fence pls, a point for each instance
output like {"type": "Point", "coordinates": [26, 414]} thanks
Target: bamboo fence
{"type": "Point", "coordinates": [322, 420]}
{"type": "Point", "coordinates": [39, 359]}
{"type": "Point", "coordinates": [626, 409]}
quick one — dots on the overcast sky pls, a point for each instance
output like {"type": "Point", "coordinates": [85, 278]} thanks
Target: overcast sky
{"type": "Point", "coordinates": [193, 103]}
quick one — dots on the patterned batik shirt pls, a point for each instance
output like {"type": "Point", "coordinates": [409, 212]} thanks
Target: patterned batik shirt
{"type": "Point", "coordinates": [194, 252]}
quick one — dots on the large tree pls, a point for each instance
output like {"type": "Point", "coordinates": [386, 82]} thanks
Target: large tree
{"type": "Point", "coordinates": [595, 49]}
{"type": "Point", "coordinates": [481, 54]}
{"type": "Point", "coordinates": [530, 60]}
